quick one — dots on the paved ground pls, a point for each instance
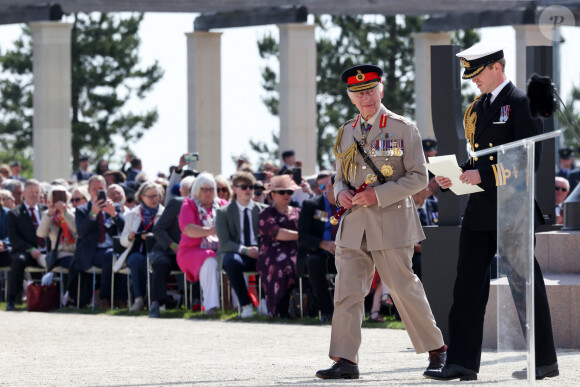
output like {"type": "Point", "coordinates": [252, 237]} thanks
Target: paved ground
{"type": "Point", "coordinates": [53, 349]}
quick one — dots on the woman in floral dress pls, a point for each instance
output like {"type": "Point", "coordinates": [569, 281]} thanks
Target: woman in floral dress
{"type": "Point", "coordinates": [278, 227]}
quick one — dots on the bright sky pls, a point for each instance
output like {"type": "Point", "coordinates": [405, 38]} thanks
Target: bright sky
{"type": "Point", "coordinates": [244, 116]}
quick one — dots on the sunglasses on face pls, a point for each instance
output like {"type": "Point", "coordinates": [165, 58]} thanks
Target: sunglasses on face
{"type": "Point", "coordinates": [222, 189]}
{"type": "Point", "coordinates": [563, 189]}
{"type": "Point", "coordinates": [206, 189]}
{"type": "Point", "coordinates": [76, 200]}
{"type": "Point", "coordinates": [245, 187]}
{"type": "Point", "coordinates": [258, 192]}
{"type": "Point", "coordinates": [285, 192]}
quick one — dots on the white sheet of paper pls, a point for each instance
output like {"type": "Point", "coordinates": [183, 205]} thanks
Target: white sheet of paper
{"type": "Point", "coordinates": [447, 166]}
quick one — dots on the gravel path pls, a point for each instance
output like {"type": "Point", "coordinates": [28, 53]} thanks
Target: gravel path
{"type": "Point", "coordinates": [53, 349]}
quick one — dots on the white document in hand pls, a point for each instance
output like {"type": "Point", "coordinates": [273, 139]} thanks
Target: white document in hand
{"type": "Point", "coordinates": [447, 166]}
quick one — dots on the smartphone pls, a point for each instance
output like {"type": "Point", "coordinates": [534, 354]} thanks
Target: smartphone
{"type": "Point", "coordinates": [58, 196]}
{"type": "Point", "coordinates": [297, 175]}
{"type": "Point", "coordinates": [260, 176]}
{"type": "Point", "coordinates": [192, 156]}
{"type": "Point", "coordinates": [101, 195]}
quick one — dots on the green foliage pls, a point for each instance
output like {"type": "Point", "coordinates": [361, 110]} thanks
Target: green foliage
{"type": "Point", "coordinates": [106, 75]}
{"type": "Point", "coordinates": [345, 41]}
{"type": "Point", "coordinates": [266, 153]}
{"type": "Point", "coordinates": [465, 39]}
{"type": "Point", "coordinates": [569, 119]}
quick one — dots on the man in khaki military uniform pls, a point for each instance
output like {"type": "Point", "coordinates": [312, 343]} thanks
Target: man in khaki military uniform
{"type": "Point", "coordinates": [380, 226]}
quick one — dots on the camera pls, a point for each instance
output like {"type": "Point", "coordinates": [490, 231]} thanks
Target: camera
{"type": "Point", "coordinates": [193, 156]}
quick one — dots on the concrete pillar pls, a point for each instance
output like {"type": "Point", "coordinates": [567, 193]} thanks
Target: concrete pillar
{"type": "Point", "coordinates": [51, 135]}
{"type": "Point", "coordinates": [204, 99]}
{"type": "Point", "coordinates": [298, 129]}
{"type": "Point", "coordinates": [526, 35]}
{"type": "Point", "coordinates": [423, 43]}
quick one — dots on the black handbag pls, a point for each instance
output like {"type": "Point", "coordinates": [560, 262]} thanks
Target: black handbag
{"type": "Point", "coordinates": [52, 256]}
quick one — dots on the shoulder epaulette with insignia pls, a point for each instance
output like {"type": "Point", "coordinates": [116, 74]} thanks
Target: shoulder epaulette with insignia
{"type": "Point", "coordinates": [404, 120]}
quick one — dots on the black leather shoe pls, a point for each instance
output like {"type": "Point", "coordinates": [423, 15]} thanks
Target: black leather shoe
{"type": "Point", "coordinates": [10, 306]}
{"type": "Point", "coordinates": [450, 372]}
{"type": "Point", "coordinates": [436, 360]}
{"type": "Point", "coordinates": [325, 318]}
{"type": "Point", "coordinates": [542, 372]}
{"type": "Point", "coordinates": [154, 311]}
{"type": "Point", "coordinates": [339, 370]}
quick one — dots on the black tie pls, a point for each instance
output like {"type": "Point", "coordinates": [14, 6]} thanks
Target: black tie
{"type": "Point", "coordinates": [486, 103]}
{"type": "Point", "coordinates": [247, 234]}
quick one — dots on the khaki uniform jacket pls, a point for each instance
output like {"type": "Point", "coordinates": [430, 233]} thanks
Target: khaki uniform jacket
{"type": "Point", "coordinates": [392, 222]}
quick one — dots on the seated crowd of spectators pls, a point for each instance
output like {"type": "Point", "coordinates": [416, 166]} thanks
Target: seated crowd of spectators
{"type": "Point", "coordinates": [274, 223]}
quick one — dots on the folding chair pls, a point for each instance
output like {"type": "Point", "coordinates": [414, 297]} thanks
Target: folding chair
{"type": "Point", "coordinates": [149, 244]}
{"type": "Point", "coordinates": [60, 271]}
{"type": "Point", "coordinates": [246, 274]}
{"type": "Point", "coordinates": [118, 249]}
{"type": "Point", "coordinates": [94, 271]}
{"type": "Point", "coordinates": [5, 270]}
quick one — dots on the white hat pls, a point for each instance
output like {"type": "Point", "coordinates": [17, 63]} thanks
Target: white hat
{"type": "Point", "coordinates": [475, 58]}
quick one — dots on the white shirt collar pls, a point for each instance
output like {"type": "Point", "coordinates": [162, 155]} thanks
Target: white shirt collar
{"type": "Point", "coordinates": [497, 90]}
{"type": "Point", "coordinates": [241, 207]}
{"type": "Point", "coordinates": [372, 119]}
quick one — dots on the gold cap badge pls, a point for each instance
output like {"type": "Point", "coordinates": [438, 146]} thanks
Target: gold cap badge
{"type": "Point", "coordinates": [360, 76]}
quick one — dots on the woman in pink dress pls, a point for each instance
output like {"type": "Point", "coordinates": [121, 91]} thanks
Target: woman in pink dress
{"type": "Point", "coordinates": [196, 256]}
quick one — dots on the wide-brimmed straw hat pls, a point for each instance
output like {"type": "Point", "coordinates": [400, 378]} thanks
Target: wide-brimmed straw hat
{"type": "Point", "coordinates": [281, 183]}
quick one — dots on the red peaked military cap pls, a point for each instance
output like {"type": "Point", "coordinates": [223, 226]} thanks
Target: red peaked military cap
{"type": "Point", "coordinates": [362, 77]}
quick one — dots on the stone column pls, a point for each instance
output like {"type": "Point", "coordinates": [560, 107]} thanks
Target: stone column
{"type": "Point", "coordinates": [298, 129]}
{"type": "Point", "coordinates": [526, 35]}
{"type": "Point", "coordinates": [51, 135]}
{"type": "Point", "coordinates": [423, 43]}
{"type": "Point", "coordinates": [204, 99]}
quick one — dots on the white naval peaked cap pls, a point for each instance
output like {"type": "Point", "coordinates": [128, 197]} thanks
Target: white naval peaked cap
{"type": "Point", "coordinates": [475, 58]}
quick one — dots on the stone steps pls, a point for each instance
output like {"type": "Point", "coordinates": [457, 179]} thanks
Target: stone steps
{"type": "Point", "coordinates": [558, 254]}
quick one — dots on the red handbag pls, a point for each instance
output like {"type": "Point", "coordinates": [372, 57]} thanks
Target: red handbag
{"type": "Point", "coordinates": [42, 298]}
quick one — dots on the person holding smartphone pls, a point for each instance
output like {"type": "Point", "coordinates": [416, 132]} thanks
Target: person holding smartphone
{"type": "Point", "coordinates": [97, 222]}
{"type": "Point", "coordinates": [58, 224]}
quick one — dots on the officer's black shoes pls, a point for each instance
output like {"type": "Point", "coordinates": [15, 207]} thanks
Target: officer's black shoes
{"type": "Point", "coordinates": [450, 372]}
{"type": "Point", "coordinates": [339, 370]}
{"type": "Point", "coordinates": [542, 372]}
{"type": "Point", "coordinates": [437, 358]}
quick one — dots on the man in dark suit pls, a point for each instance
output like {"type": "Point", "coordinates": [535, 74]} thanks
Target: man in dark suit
{"type": "Point", "coordinates": [163, 257]}
{"type": "Point", "coordinates": [565, 163]}
{"type": "Point", "coordinates": [83, 172]}
{"type": "Point", "coordinates": [98, 222]}
{"type": "Point", "coordinates": [237, 230]}
{"type": "Point", "coordinates": [500, 115]}
{"type": "Point", "coordinates": [289, 159]}
{"type": "Point", "coordinates": [316, 246]}
{"type": "Point", "coordinates": [27, 248]}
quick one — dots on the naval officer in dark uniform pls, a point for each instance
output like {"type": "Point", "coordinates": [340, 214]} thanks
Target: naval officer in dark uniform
{"type": "Point", "coordinates": [500, 101]}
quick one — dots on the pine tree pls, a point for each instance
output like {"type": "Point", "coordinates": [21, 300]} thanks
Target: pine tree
{"type": "Point", "coordinates": [106, 75]}
{"type": "Point", "coordinates": [345, 41]}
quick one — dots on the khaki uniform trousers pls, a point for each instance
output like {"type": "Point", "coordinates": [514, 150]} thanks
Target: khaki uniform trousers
{"type": "Point", "coordinates": [355, 273]}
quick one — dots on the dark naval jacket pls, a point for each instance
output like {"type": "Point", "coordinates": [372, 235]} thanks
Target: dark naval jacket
{"type": "Point", "coordinates": [507, 119]}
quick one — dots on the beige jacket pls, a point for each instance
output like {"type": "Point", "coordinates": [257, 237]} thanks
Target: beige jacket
{"type": "Point", "coordinates": [392, 222]}
{"type": "Point", "coordinates": [47, 228]}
